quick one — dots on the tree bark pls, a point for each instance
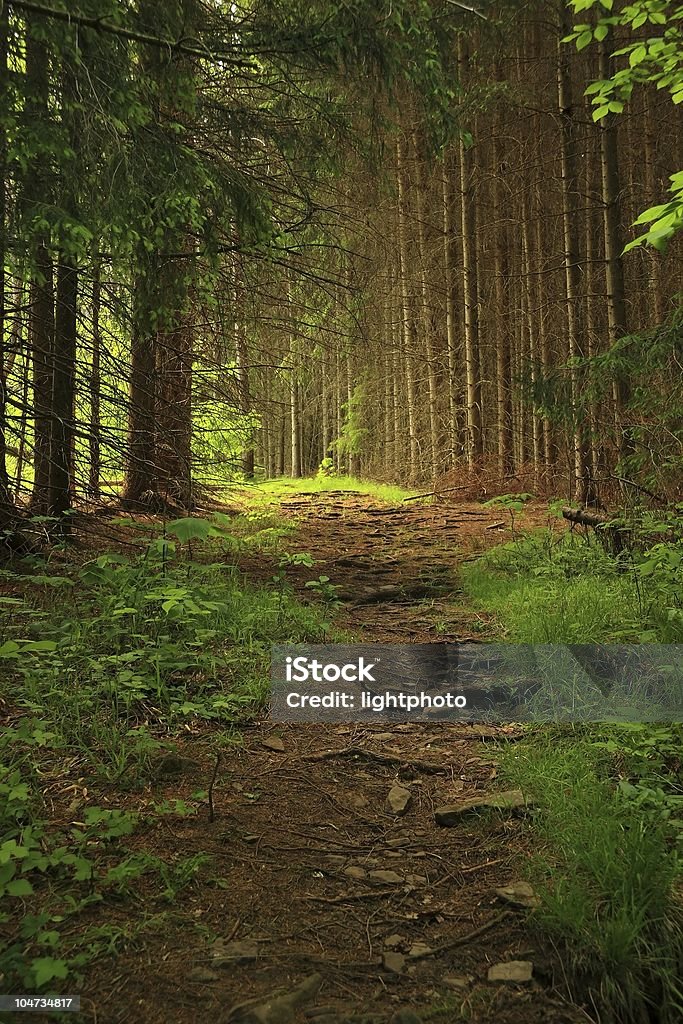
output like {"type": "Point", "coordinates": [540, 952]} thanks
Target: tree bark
{"type": "Point", "coordinates": [583, 490]}
{"type": "Point", "coordinates": [614, 267]}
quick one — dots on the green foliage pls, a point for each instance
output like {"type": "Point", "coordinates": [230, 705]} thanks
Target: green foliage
{"type": "Point", "coordinates": [608, 869]}
{"type": "Point", "coordinates": [651, 361]}
{"type": "Point", "coordinates": [656, 60]}
{"type": "Point", "coordinates": [546, 589]}
{"type": "Point", "coordinates": [350, 441]}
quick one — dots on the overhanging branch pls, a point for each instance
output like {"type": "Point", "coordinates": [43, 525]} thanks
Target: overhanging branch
{"type": "Point", "coordinates": [101, 25]}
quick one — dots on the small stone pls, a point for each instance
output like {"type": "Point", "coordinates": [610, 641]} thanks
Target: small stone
{"type": "Point", "coordinates": [392, 941]}
{"type": "Point", "coordinates": [419, 949]}
{"type": "Point", "coordinates": [416, 879]}
{"type": "Point", "coordinates": [383, 736]}
{"type": "Point", "coordinates": [202, 974]}
{"type": "Point", "coordinates": [355, 872]}
{"type": "Point", "coordinates": [274, 743]}
{"type": "Point", "coordinates": [390, 877]}
{"type": "Point", "coordinates": [398, 800]}
{"type": "Point", "coordinates": [398, 842]}
{"type": "Point", "coordinates": [457, 981]}
{"type": "Point", "coordinates": [231, 953]}
{"type": "Point", "coordinates": [508, 800]}
{"type": "Point", "coordinates": [394, 962]}
{"type": "Point", "coordinates": [515, 971]}
{"type": "Point", "coordinates": [519, 894]}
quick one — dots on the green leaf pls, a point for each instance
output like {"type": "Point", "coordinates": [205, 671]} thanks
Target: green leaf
{"type": "Point", "coordinates": [46, 968]}
{"type": "Point", "coordinates": [19, 887]}
{"type": "Point", "coordinates": [190, 528]}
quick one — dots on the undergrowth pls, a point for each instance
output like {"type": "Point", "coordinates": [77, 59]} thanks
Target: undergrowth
{"type": "Point", "coordinates": [608, 798]}
{"type": "Point", "coordinates": [102, 665]}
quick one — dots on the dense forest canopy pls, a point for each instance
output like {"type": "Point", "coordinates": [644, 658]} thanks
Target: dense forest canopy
{"type": "Point", "coordinates": [387, 238]}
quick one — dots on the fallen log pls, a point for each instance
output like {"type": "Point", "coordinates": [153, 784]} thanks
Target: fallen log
{"type": "Point", "coordinates": [614, 537]}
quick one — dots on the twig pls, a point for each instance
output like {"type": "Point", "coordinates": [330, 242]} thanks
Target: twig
{"type": "Point", "coordinates": [211, 785]}
{"type": "Point", "coordinates": [434, 494]}
{"type": "Point", "coordinates": [462, 940]}
{"type": "Point", "coordinates": [328, 755]}
{"type": "Point", "coordinates": [371, 895]}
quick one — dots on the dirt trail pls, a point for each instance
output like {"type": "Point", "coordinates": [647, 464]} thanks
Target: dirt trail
{"type": "Point", "coordinates": [316, 890]}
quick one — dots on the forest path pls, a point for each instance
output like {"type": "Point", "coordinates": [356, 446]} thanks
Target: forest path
{"type": "Point", "coordinates": [316, 890]}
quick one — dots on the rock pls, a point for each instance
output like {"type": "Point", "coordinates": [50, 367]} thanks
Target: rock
{"type": "Point", "coordinates": [392, 941]}
{"type": "Point", "coordinates": [202, 974]}
{"type": "Point", "coordinates": [398, 800]}
{"type": "Point", "coordinates": [355, 872]}
{"type": "Point", "coordinates": [515, 971]}
{"type": "Point", "coordinates": [519, 894]}
{"type": "Point", "coordinates": [419, 949]}
{"type": "Point", "coordinates": [230, 953]}
{"type": "Point", "coordinates": [394, 962]}
{"type": "Point", "coordinates": [274, 743]}
{"type": "Point", "coordinates": [457, 981]}
{"type": "Point", "coordinates": [398, 842]}
{"type": "Point", "coordinates": [275, 1009]}
{"type": "Point", "coordinates": [508, 800]}
{"type": "Point", "coordinates": [390, 877]}
{"type": "Point", "coordinates": [383, 736]}
{"type": "Point", "coordinates": [172, 765]}
{"type": "Point", "coordinates": [416, 879]}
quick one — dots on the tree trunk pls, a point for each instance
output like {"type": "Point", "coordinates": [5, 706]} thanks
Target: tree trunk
{"type": "Point", "coordinates": [36, 195]}
{"type": "Point", "coordinates": [425, 317]}
{"type": "Point", "coordinates": [501, 272]}
{"type": "Point", "coordinates": [614, 267]}
{"type": "Point", "coordinates": [468, 212]}
{"type": "Point", "coordinates": [6, 503]}
{"type": "Point", "coordinates": [406, 315]}
{"type": "Point", "coordinates": [583, 490]}
{"type": "Point", "coordinates": [95, 388]}
{"type": "Point", "coordinates": [451, 329]}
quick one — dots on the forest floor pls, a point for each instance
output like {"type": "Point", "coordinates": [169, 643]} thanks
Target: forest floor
{"type": "Point", "coordinates": [316, 903]}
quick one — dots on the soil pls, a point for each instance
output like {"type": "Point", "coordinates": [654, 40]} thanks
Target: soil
{"type": "Point", "coordinates": [310, 873]}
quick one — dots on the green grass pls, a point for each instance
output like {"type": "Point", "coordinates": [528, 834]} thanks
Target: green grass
{"type": "Point", "coordinates": [569, 590]}
{"type": "Point", "coordinates": [608, 799]}
{"type": "Point", "coordinates": [284, 487]}
{"type": "Point", "coordinates": [607, 873]}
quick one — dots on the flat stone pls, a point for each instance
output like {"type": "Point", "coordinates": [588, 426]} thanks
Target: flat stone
{"type": "Point", "coordinates": [514, 971]}
{"type": "Point", "coordinates": [230, 953]}
{"type": "Point", "coordinates": [518, 894]}
{"type": "Point", "coordinates": [274, 743]}
{"type": "Point", "coordinates": [390, 877]}
{"type": "Point", "coordinates": [355, 872]}
{"type": "Point", "coordinates": [457, 981]}
{"type": "Point", "coordinates": [394, 940]}
{"type": "Point", "coordinates": [394, 962]}
{"type": "Point", "coordinates": [398, 800]}
{"type": "Point", "coordinates": [416, 879]}
{"type": "Point", "coordinates": [275, 1009]}
{"type": "Point", "coordinates": [507, 800]}
{"type": "Point", "coordinates": [202, 974]}
{"type": "Point", "coordinates": [419, 949]}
